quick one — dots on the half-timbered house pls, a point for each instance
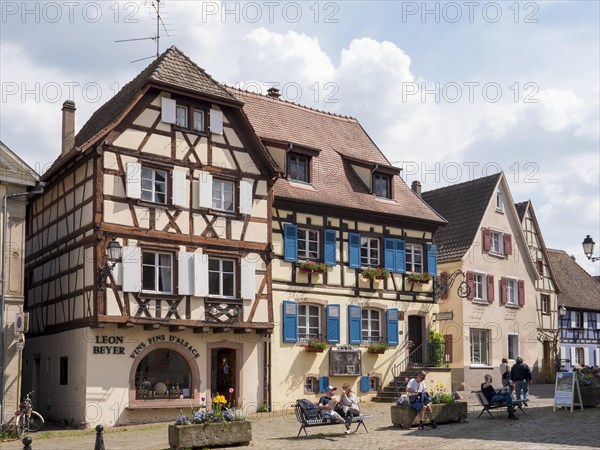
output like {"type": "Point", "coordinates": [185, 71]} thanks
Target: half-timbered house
{"type": "Point", "coordinates": [171, 171]}
{"type": "Point", "coordinates": [347, 232]}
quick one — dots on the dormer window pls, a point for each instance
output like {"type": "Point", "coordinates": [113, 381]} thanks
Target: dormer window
{"type": "Point", "coordinates": [382, 185]}
{"type": "Point", "coordinates": [181, 119]}
{"type": "Point", "coordinates": [190, 117]}
{"type": "Point", "coordinates": [298, 167]}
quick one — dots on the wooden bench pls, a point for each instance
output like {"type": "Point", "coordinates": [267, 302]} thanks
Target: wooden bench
{"type": "Point", "coordinates": [319, 421]}
{"type": "Point", "coordinates": [483, 401]}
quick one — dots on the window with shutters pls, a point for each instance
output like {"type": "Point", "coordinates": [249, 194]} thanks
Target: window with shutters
{"type": "Point", "coordinates": [479, 287]}
{"type": "Point", "coordinates": [414, 258]}
{"type": "Point", "coordinates": [299, 167]}
{"type": "Point", "coordinates": [497, 243]}
{"type": "Point", "coordinates": [181, 118]}
{"type": "Point", "coordinates": [480, 341]}
{"type": "Point", "coordinates": [311, 384]}
{"type": "Point", "coordinates": [382, 185]}
{"type": "Point", "coordinates": [512, 291]}
{"type": "Point", "coordinates": [513, 346]}
{"type": "Point", "coordinates": [371, 326]}
{"type": "Point", "coordinates": [223, 195]}
{"type": "Point", "coordinates": [374, 384]}
{"type": "Point", "coordinates": [157, 272]}
{"type": "Point", "coordinates": [199, 121]}
{"type": "Point", "coordinates": [190, 117]}
{"type": "Point", "coordinates": [308, 244]}
{"type": "Point", "coordinates": [545, 300]}
{"type": "Point", "coordinates": [369, 252]}
{"type": "Point", "coordinates": [579, 356]}
{"type": "Point", "coordinates": [309, 322]}
{"type": "Point", "coordinates": [221, 277]}
{"type": "Point", "coordinates": [154, 185]}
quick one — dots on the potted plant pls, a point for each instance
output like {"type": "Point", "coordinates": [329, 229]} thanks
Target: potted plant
{"type": "Point", "coordinates": [589, 385]}
{"type": "Point", "coordinates": [223, 425]}
{"type": "Point", "coordinates": [375, 273]}
{"type": "Point", "coordinates": [378, 348]}
{"type": "Point", "coordinates": [415, 277]}
{"type": "Point", "coordinates": [311, 267]}
{"type": "Point", "coordinates": [315, 346]}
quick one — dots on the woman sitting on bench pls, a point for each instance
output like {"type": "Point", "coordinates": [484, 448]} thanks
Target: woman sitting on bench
{"type": "Point", "coordinates": [501, 396]}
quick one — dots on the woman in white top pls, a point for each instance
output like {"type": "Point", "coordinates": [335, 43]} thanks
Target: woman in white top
{"type": "Point", "coordinates": [349, 402]}
{"type": "Point", "coordinates": [419, 399]}
{"type": "Point", "coordinates": [505, 372]}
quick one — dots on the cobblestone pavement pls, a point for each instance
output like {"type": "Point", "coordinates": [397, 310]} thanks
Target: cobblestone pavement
{"type": "Point", "coordinates": [541, 428]}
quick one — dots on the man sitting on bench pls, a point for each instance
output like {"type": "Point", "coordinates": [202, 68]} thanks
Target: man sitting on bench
{"type": "Point", "coordinates": [327, 406]}
{"type": "Point", "coordinates": [501, 396]}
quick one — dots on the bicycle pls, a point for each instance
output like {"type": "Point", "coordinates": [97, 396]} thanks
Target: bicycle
{"type": "Point", "coordinates": [28, 420]}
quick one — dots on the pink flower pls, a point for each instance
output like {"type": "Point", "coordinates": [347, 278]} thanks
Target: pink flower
{"type": "Point", "coordinates": [231, 390]}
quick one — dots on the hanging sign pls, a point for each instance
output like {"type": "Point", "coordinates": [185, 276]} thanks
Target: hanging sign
{"type": "Point", "coordinates": [444, 315]}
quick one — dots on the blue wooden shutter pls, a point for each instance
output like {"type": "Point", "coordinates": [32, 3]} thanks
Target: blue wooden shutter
{"type": "Point", "coordinates": [432, 259]}
{"type": "Point", "coordinates": [290, 321]}
{"type": "Point", "coordinates": [389, 254]}
{"type": "Point", "coordinates": [400, 256]}
{"type": "Point", "coordinates": [365, 383]}
{"type": "Point", "coordinates": [391, 316]}
{"type": "Point", "coordinates": [323, 383]}
{"type": "Point", "coordinates": [290, 242]}
{"type": "Point", "coordinates": [329, 248]}
{"type": "Point", "coordinates": [354, 324]}
{"type": "Point", "coordinates": [333, 324]}
{"type": "Point", "coordinates": [354, 250]}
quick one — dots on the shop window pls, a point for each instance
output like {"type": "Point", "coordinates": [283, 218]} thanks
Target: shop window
{"type": "Point", "coordinates": [163, 374]}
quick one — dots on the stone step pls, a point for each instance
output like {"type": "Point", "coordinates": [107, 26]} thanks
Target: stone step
{"type": "Point", "coordinates": [383, 400]}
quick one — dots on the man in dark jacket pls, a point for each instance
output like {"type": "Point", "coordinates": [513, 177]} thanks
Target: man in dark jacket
{"type": "Point", "coordinates": [520, 374]}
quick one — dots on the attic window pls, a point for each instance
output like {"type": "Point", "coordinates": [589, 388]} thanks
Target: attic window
{"type": "Point", "coordinates": [299, 168]}
{"type": "Point", "coordinates": [499, 202]}
{"type": "Point", "coordinates": [382, 185]}
{"type": "Point", "coordinates": [190, 117]}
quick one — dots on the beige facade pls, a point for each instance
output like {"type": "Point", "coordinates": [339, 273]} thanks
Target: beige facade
{"type": "Point", "coordinates": [15, 178]}
{"type": "Point", "coordinates": [499, 317]}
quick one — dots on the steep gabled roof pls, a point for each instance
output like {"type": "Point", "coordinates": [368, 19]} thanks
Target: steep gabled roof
{"type": "Point", "coordinates": [578, 288]}
{"type": "Point", "coordinates": [521, 209]}
{"type": "Point", "coordinates": [14, 170]}
{"type": "Point", "coordinates": [339, 141]}
{"type": "Point", "coordinates": [463, 206]}
{"type": "Point", "coordinates": [172, 68]}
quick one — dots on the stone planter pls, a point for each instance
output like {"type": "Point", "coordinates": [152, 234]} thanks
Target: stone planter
{"type": "Point", "coordinates": [405, 416]}
{"type": "Point", "coordinates": [590, 396]}
{"type": "Point", "coordinates": [210, 435]}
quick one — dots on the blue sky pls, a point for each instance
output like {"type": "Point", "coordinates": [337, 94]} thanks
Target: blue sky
{"type": "Point", "coordinates": [449, 91]}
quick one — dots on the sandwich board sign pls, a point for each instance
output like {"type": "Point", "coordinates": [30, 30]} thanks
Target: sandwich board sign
{"type": "Point", "coordinates": [565, 390]}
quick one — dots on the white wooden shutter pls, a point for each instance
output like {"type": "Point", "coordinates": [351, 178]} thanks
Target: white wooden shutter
{"type": "Point", "coordinates": [168, 108]}
{"type": "Point", "coordinates": [573, 319]}
{"type": "Point", "coordinates": [216, 121]}
{"type": "Point", "coordinates": [598, 325]}
{"type": "Point", "coordinates": [132, 269]}
{"type": "Point", "coordinates": [597, 361]}
{"type": "Point", "coordinates": [133, 180]}
{"type": "Point", "coordinates": [572, 356]}
{"type": "Point", "coordinates": [205, 184]}
{"type": "Point", "coordinates": [186, 273]}
{"type": "Point", "coordinates": [248, 269]}
{"type": "Point", "coordinates": [585, 320]}
{"type": "Point", "coordinates": [180, 188]}
{"type": "Point", "coordinates": [200, 275]}
{"type": "Point", "coordinates": [246, 185]}
{"type": "Point", "coordinates": [117, 274]}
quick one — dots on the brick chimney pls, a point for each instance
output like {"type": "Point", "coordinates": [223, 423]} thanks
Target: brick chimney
{"type": "Point", "coordinates": [68, 126]}
{"type": "Point", "coordinates": [416, 187]}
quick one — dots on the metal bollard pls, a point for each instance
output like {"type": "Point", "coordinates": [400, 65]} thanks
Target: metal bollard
{"type": "Point", "coordinates": [27, 443]}
{"type": "Point", "coordinates": [99, 439]}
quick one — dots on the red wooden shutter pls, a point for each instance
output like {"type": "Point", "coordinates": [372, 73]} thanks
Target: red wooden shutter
{"type": "Point", "coordinates": [487, 239]}
{"type": "Point", "coordinates": [490, 288]}
{"type": "Point", "coordinates": [448, 341]}
{"type": "Point", "coordinates": [503, 290]}
{"type": "Point", "coordinates": [471, 284]}
{"type": "Point", "coordinates": [521, 292]}
{"type": "Point", "coordinates": [507, 244]}
{"type": "Point", "coordinates": [444, 280]}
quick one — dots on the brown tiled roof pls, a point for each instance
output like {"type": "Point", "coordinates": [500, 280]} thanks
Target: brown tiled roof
{"type": "Point", "coordinates": [521, 208]}
{"type": "Point", "coordinates": [334, 182]}
{"type": "Point", "coordinates": [578, 288]}
{"type": "Point", "coordinates": [463, 206]}
{"type": "Point", "coordinates": [171, 68]}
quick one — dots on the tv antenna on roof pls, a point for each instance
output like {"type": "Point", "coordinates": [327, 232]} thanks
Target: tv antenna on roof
{"type": "Point", "coordinates": [159, 22]}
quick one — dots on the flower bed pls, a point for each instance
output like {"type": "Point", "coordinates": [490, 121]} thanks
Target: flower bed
{"type": "Point", "coordinates": [404, 416]}
{"type": "Point", "coordinates": [210, 434]}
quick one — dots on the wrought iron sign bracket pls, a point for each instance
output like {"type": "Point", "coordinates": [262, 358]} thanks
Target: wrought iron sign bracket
{"type": "Point", "coordinates": [443, 284]}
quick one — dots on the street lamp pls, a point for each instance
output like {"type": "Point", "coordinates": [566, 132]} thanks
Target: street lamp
{"type": "Point", "coordinates": [588, 248]}
{"type": "Point", "coordinates": [562, 310]}
{"type": "Point", "coordinates": [113, 255]}
{"type": "Point", "coordinates": [38, 189]}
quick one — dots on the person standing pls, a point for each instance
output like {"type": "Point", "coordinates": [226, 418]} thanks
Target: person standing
{"type": "Point", "coordinates": [520, 374]}
{"type": "Point", "coordinates": [505, 372]}
{"type": "Point", "coordinates": [419, 399]}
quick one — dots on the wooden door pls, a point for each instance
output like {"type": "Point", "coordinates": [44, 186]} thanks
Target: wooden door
{"type": "Point", "coordinates": [415, 336]}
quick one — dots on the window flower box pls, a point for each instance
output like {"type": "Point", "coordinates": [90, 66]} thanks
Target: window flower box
{"type": "Point", "coordinates": [378, 348]}
{"type": "Point", "coordinates": [210, 435]}
{"type": "Point", "coordinates": [404, 416]}
{"type": "Point", "coordinates": [375, 273]}
{"type": "Point", "coordinates": [422, 278]}
{"type": "Point", "coordinates": [311, 267]}
{"type": "Point", "coordinates": [315, 346]}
